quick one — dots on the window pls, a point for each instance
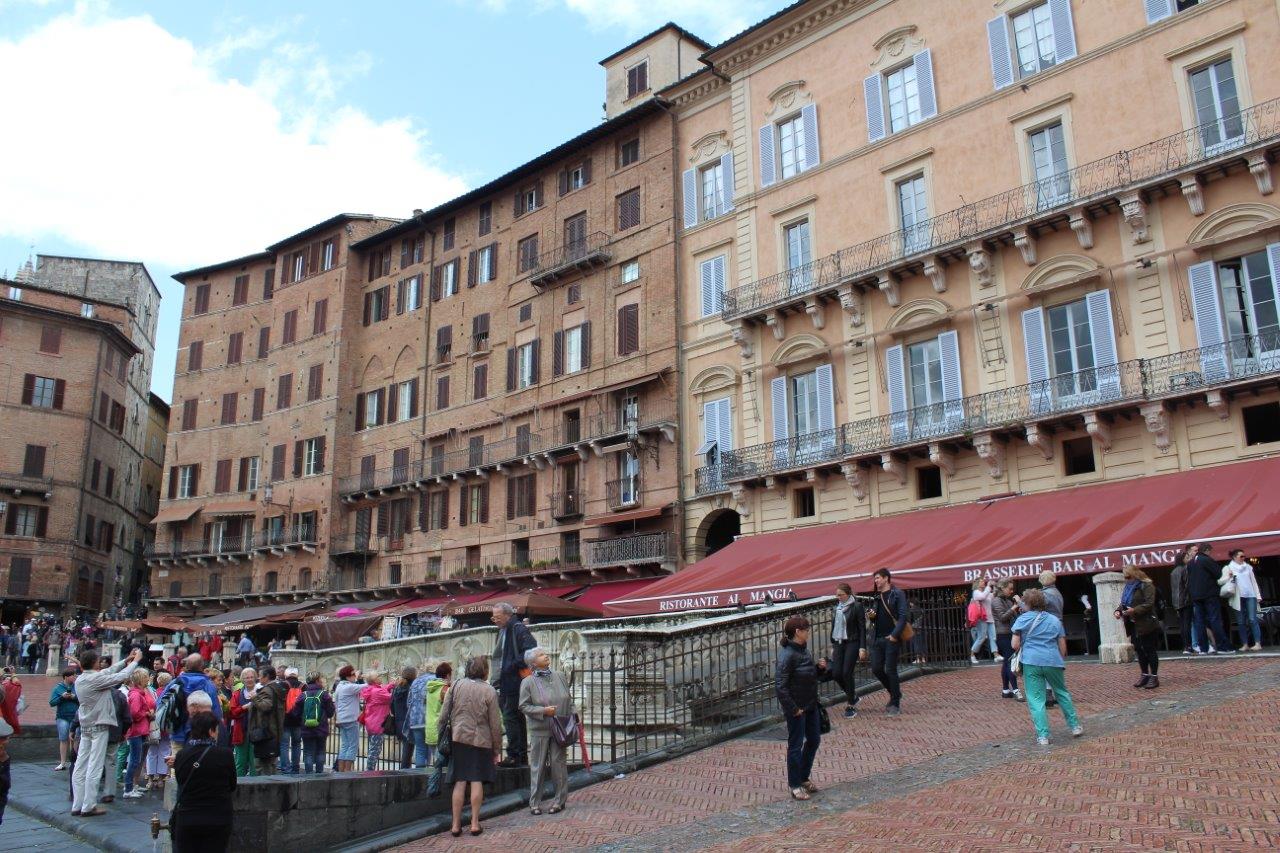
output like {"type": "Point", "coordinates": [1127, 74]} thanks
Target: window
{"type": "Point", "coordinates": [480, 333]}
{"type": "Point", "coordinates": [202, 299]}
{"type": "Point", "coordinates": [571, 430]}
{"type": "Point", "coordinates": [1030, 41]}
{"type": "Point", "coordinates": [117, 417]}
{"type": "Point", "coordinates": [1076, 355]}
{"type": "Point", "coordinates": [240, 290]}
{"type": "Point", "coordinates": [248, 480]}
{"type": "Point", "coordinates": [628, 329]}
{"type": "Point", "coordinates": [277, 463]}
{"type": "Point", "coordinates": [637, 79]}
{"type": "Point", "coordinates": [264, 341]}
{"type": "Point", "coordinates": [407, 400]}
{"type": "Point", "coordinates": [717, 431]}
{"type": "Point", "coordinates": [475, 451]}
{"type": "Point", "coordinates": [297, 266]}
{"type": "Point", "coordinates": [1158, 10]}
{"type": "Point", "coordinates": [913, 214]}
{"type": "Point", "coordinates": [791, 139]}
{"type": "Point", "coordinates": [411, 288]}
{"type": "Point", "coordinates": [803, 504]}
{"type": "Point", "coordinates": [1217, 105]}
{"type": "Point", "coordinates": [442, 392]}
{"type": "Point", "coordinates": [448, 231]}
{"type": "Point", "coordinates": [449, 278]}
{"type": "Point", "coordinates": [444, 343]}
{"type": "Point", "coordinates": [86, 310]}
{"type": "Point", "coordinates": [570, 548]}
{"type": "Point", "coordinates": [222, 477]}
{"type": "Point", "coordinates": [572, 350]}
{"type": "Point", "coordinates": [575, 236]}
{"type": "Point", "coordinates": [290, 333]}
{"type": "Point", "coordinates": [379, 263]}
{"type": "Point", "coordinates": [628, 152]}
{"type": "Point", "coordinates": [528, 199]}
{"type": "Point", "coordinates": [903, 96]}
{"type": "Point", "coordinates": [412, 250]}
{"type": "Point", "coordinates": [521, 500]}
{"type": "Point", "coordinates": [486, 218]}
{"type": "Point", "coordinates": [229, 407]}
{"type": "Point", "coordinates": [190, 410]}
{"type": "Point", "coordinates": [1261, 423]}
{"type": "Point", "coordinates": [629, 209]}
{"type": "Point", "coordinates": [1249, 306]}
{"type": "Point", "coordinates": [370, 409]}
{"type": "Point", "coordinates": [628, 488]}
{"type": "Point", "coordinates": [438, 510]}
{"type": "Point", "coordinates": [576, 178]}
{"type": "Point", "coordinates": [573, 294]}
{"type": "Point", "coordinates": [1070, 341]}
{"type": "Point", "coordinates": [1049, 160]}
{"type": "Point", "coordinates": [235, 344]}
{"type": "Point", "coordinates": [268, 283]}
{"type": "Point", "coordinates": [376, 305]}
{"type": "Point", "coordinates": [480, 382]}
{"type": "Point", "coordinates": [15, 293]}
{"type": "Point", "coordinates": [524, 439]}
{"type": "Point", "coordinates": [33, 461]}
{"type": "Point", "coordinates": [924, 372]}
{"type": "Point", "coordinates": [799, 253]}
{"type": "Point", "coordinates": [315, 382]}
{"type": "Point", "coordinates": [711, 275]}
{"type": "Point", "coordinates": [329, 254]}
{"type": "Point", "coordinates": [527, 253]}
{"type": "Point", "coordinates": [804, 403]}
{"type": "Point", "coordinates": [109, 488]}
{"type": "Point", "coordinates": [188, 480]}
{"type": "Point", "coordinates": [1033, 40]}
{"type": "Point", "coordinates": [928, 482]}
{"type": "Point", "coordinates": [50, 339]}
{"type": "Point", "coordinates": [313, 456]}
{"type": "Point", "coordinates": [630, 272]}
{"type": "Point", "coordinates": [475, 504]}
{"type": "Point", "coordinates": [525, 314]}
{"type": "Point", "coordinates": [259, 404]}
{"type": "Point", "coordinates": [284, 391]}
{"type": "Point", "coordinates": [95, 475]}
{"type": "Point", "coordinates": [485, 263]}
{"type": "Point", "coordinates": [526, 366]}
{"type": "Point", "coordinates": [195, 355]}
{"type": "Point", "coordinates": [1077, 456]}
{"type": "Point", "coordinates": [320, 317]}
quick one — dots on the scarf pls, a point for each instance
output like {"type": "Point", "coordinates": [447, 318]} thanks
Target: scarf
{"type": "Point", "coordinates": [839, 627]}
{"type": "Point", "coordinates": [543, 673]}
{"type": "Point", "coordinates": [1126, 597]}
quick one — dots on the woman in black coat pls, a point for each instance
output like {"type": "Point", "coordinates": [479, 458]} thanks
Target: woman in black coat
{"type": "Point", "coordinates": [796, 682]}
{"type": "Point", "coordinates": [206, 778]}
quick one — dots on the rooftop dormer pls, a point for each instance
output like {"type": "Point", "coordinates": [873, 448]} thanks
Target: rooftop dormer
{"type": "Point", "coordinates": [653, 62]}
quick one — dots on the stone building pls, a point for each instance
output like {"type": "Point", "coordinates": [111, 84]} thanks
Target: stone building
{"type": "Point", "coordinates": [77, 344]}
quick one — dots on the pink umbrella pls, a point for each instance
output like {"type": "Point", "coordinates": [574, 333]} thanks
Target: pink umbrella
{"type": "Point", "coordinates": [349, 611]}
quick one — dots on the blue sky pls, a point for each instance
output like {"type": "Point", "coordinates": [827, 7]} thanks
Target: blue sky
{"type": "Point", "coordinates": [181, 134]}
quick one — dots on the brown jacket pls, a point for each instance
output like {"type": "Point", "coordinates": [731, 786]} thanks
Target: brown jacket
{"type": "Point", "coordinates": [471, 707]}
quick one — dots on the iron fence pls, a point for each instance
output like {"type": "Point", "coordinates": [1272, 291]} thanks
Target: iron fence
{"type": "Point", "coordinates": [1239, 358]}
{"type": "Point", "coordinates": [709, 479]}
{"type": "Point", "coordinates": [1161, 159]}
{"type": "Point", "coordinates": [629, 550]}
{"type": "Point", "coordinates": [590, 248]}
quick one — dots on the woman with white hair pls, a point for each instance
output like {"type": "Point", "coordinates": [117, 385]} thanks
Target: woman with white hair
{"type": "Point", "coordinates": [546, 702]}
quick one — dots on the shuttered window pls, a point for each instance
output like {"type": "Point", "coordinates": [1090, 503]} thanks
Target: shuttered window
{"type": "Point", "coordinates": [195, 355]}
{"type": "Point", "coordinates": [240, 290]}
{"type": "Point", "coordinates": [320, 317]}
{"type": "Point", "coordinates": [264, 341]}
{"type": "Point", "coordinates": [33, 461]}
{"type": "Point", "coordinates": [229, 401]}
{"type": "Point", "coordinates": [485, 224]}
{"type": "Point", "coordinates": [629, 209]}
{"type": "Point", "coordinates": [527, 252]}
{"type": "Point", "coordinates": [315, 382]}
{"type": "Point", "coordinates": [201, 300]}
{"type": "Point", "coordinates": [711, 278]}
{"type": "Point", "coordinates": [442, 392]}
{"type": "Point", "coordinates": [189, 411]}
{"type": "Point", "coordinates": [277, 462]}
{"type": "Point", "coordinates": [222, 477]}
{"type": "Point", "coordinates": [628, 329]}
{"type": "Point", "coordinates": [259, 403]}
{"type": "Point", "coordinates": [235, 343]}
{"type": "Point", "coordinates": [480, 382]}
{"type": "Point", "coordinates": [51, 339]}
{"type": "Point", "coordinates": [284, 391]}
{"type": "Point", "coordinates": [290, 333]}
{"type": "Point", "coordinates": [637, 79]}
{"type": "Point", "coordinates": [1037, 37]}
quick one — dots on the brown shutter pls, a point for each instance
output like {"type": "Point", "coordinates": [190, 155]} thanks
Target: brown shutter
{"type": "Point", "coordinates": [33, 461]}
{"type": "Point", "coordinates": [463, 503]}
{"type": "Point", "coordinates": [484, 503]}
{"type": "Point", "coordinates": [42, 524]}
{"type": "Point", "coordinates": [391, 404]}
{"type": "Point", "coordinates": [493, 261]}
{"type": "Point", "coordinates": [481, 383]}
{"type": "Point", "coordinates": [259, 402]}
{"type": "Point", "coordinates": [471, 268]}
{"type": "Point", "coordinates": [413, 397]}
{"type": "Point", "coordinates": [28, 388]}
{"type": "Point", "coordinates": [385, 308]}
{"type": "Point", "coordinates": [511, 368]}
{"type": "Point", "coordinates": [435, 284]}
{"type": "Point", "coordinates": [268, 283]}
{"type": "Point", "coordinates": [321, 321]}
{"type": "Point", "coordinates": [537, 357]}
{"type": "Point", "coordinates": [297, 459]}
{"type": "Point", "coordinates": [360, 412]}
{"type": "Point", "coordinates": [557, 354]}
{"type": "Point", "coordinates": [11, 526]}
{"type": "Point", "coordinates": [264, 341]}
{"type": "Point", "coordinates": [195, 479]}
{"type": "Point", "coordinates": [517, 210]}
{"type": "Point", "coordinates": [586, 171]}
{"type": "Point", "coordinates": [586, 344]}
{"type": "Point", "coordinates": [424, 510]}
{"type": "Point", "coordinates": [537, 194]}
{"type": "Point", "coordinates": [511, 498]}
{"type": "Point", "coordinates": [173, 481]}
{"type": "Point", "coordinates": [242, 478]}
{"type": "Point", "coordinates": [564, 181]}
{"type": "Point", "coordinates": [320, 455]}
{"type": "Point", "coordinates": [368, 307]}
{"type": "Point", "coordinates": [400, 296]}
{"type": "Point", "coordinates": [222, 476]}
{"type": "Point", "coordinates": [384, 519]}
{"type": "Point", "coordinates": [628, 329]}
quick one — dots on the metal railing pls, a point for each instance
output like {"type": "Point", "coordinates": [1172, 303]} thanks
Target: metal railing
{"type": "Point", "coordinates": [1125, 170]}
{"type": "Point", "coordinates": [567, 503]}
{"type": "Point", "coordinates": [172, 550]}
{"type": "Point", "coordinates": [381, 478]}
{"type": "Point", "coordinates": [592, 426]}
{"type": "Point", "coordinates": [709, 479]}
{"type": "Point", "coordinates": [591, 249]}
{"type": "Point", "coordinates": [284, 537]}
{"type": "Point", "coordinates": [1237, 359]}
{"type": "Point", "coordinates": [630, 550]}
{"type": "Point", "coordinates": [623, 492]}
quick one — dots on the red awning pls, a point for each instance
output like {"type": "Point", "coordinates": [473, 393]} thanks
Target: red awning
{"type": "Point", "coordinates": [558, 591]}
{"type": "Point", "coordinates": [623, 517]}
{"type": "Point", "coordinates": [1080, 530]}
{"type": "Point", "coordinates": [598, 593]}
{"type": "Point", "coordinates": [406, 606]}
{"type": "Point", "coordinates": [464, 605]}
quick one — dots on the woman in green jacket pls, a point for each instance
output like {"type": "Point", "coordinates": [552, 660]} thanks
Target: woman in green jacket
{"type": "Point", "coordinates": [435, 700]}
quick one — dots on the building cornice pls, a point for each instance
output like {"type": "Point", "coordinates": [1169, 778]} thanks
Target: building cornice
{"type": "Point", "coordinates": [778, 35]}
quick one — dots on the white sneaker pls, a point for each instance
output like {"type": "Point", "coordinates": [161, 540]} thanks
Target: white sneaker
{"type": "Point", "coordinates": [1077, 731]}
{"type": "Point", "coordinates": [999, 658]}
{"type": "Point", "coordinates": [1017, 694]}
{"type": "Point", "coordinates": [1212, 651]}
{"type": "Point", "coordinates": [61, 767]}
{"type": "Point", "coordinates": [973, 658]}
{"type": "Point", "coordinates": [135, 794]}
{"type": "Point", "coordinates": [1043, 741]}
{"type": "Point", "coordinates": [1257, 647]}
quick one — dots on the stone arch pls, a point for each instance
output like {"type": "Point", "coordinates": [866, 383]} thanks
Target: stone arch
{"type": "Point", "coordinates": [716, 530]}
{"type": "Point", "coordinates": [798, 348]}
{"type": "Point", "coordinates": [373, 373]}
{"type": "Point", "coordinates": [918, 311]}
{"type": "Point", "coordinates": [406, 363]}
{"type": "Point", "coordinates": [1233, 219]}
{"type": "Point", "coordinates": [713, 378]}
{"type": "Point", "coordinates": [1058, 269]}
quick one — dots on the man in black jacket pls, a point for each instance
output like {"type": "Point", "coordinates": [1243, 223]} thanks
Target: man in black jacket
{"type": "Point", "coordinates": [514, 639]}
{"type": "Point", "coordinates": [890, 617]}
{"type": "Point", "coordinates": [1206, 606]}
{"type": "Point", "coordinates": [848, 643]}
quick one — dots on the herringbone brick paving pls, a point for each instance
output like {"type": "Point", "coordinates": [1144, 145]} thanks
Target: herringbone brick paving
{"type": "Point", "coordinates": [731, 783]}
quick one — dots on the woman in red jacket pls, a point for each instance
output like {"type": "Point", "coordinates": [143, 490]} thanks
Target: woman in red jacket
{"type": "Point", "coordinates": [142, 709]}
{"type": "Point", "coordinates": [240, 745]}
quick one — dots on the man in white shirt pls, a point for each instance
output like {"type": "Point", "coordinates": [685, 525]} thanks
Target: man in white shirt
{"type": "Point", "coordinates": [1250, 600]}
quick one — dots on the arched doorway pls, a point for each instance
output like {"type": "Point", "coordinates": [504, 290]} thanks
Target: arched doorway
{"type": "Point", "coordinates": [718, 530]}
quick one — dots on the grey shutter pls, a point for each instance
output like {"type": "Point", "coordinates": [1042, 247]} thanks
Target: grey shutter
{"type": "Point", "coordinates": [952, 386]}
{"type": "Point", "coordinates": [768, 168]}
{"type": "Point", "coordinates": [923, 62]}
{"type": "Point", "coordinates": [706, 286]}
{"type": "Point", "coordinates": [1064, 32]}
{"type": "Point", "coordinates": [1103, 334]}
{"type": "Point", "coordinates": [826, 408]}
{"type": "Point", "coordinates": [724, 424]}
{"type": "Point", "coordinates": [711, 424]}
{"type": "Point", "coordinates": [1206, 302]}
{"type": "Point", "coordinates": [809, 118]}
{"type": "Point", "coordinates": [875, 107]}
{"type": "Point", "coordinates": [896, 379]}
{"type": "Point", "coordinates": [998, 45]}
{"type": "Point", "coordinates": [1033, 340]}
{"type": "Point", "coordinates": [1273, 258]}
{"type": "Point", "coordinates": [1158, 10]}
{"type": "Point", "coordinates": [781, 426]}
{"type": "Point", "coordinates": [689, 182]}
{"type": "Point", "coordinates": [726, 182]}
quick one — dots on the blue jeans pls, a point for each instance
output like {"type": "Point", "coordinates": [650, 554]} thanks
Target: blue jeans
{"type": "Point", "coordinates": [348, 741]}
{"type": "Point", "coordinates": [1248, 622]}
{"type": "Point", "coordinates": [291, 750]}
{"type": "Point", "coordinates": [64, 728]}
{"type": "Point", "coordinates": [1208, 612]}
{"type": "Point", "coordinates": [135, 760]}
{"type": "Point", "coordinates": [803, 736]}
{"type": "Point", "coordinates": [983, 632]}
{"type": "Point", "coordinates": [313, 754]}
{"type": "Point", "coordinates": [421, 752]}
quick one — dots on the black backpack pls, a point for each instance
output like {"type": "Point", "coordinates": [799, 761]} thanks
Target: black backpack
{"type": "Point", "coordinates": [124, 718]}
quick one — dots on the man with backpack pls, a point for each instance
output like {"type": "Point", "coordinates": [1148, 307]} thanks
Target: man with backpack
{"type": "Point", "coordinates": [173, 702]}
{"type": "Point", "coordinates": [97, 714]}
{"type": "Point", "coordinates": [291, 743]}
{"type": "Point", "coordinates": [317, 710]}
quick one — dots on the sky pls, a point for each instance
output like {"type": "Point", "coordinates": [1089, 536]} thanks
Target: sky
{"type": "Point", "coordinates": [181, 134]}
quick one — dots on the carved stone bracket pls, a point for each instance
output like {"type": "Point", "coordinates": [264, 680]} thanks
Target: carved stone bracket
{"type": "Point", "coordinates": [1218, 404]}
{"type": "Point", "coordinates": [742, 338]}
{"type": "Point", "coordinates": [1099, 428]}
{"type": "Point", "coordinates": [739, 494]}
{"type": "Point", "coordinates": [1261, 171]}
{"type": "Point", "coordinates": [1083, 227]}
{"type": "Point", "coordinates": [851, 302]}
{"type": "Point", "coordinates": [1157, 418]}
{"type": "Point", "coordinates": [668, 432]}
{"type": "Point", "coordinates": [889, 287]}
{"type": "Point", "coordinates": [936, 274]}
{"type": "Point", "coordinates": [775, 322]}
{"type": "Point", "coordinates": [856, 475]}
{"type": "Point", "coordinates": [1134, 210]}
{"type": "Point", "coordinates": [811, 475]}
{"type": "Point", "coordinates": [980, 264]}
{"type": "Point", "coordinates": [584, 452]}
{"type": "Point", "coordinates": [1038, 436]}
{"type": "Point", "coordinates": [537, 462]}
{"type": "Point", "coordinates": [771, 482]}
{"type": "Point", "coordinates": [895, 466]}
{"type": "Point", "coordinates": [1193, 192]}
{"type": "Point", "coordinates": [990, 450]}
{"type": "Point", "coordinates": [1026, 243]}
{"type": "Point", "coordinates": [814, 309]}
{"type": "Point", "coordinates": [944, 457]}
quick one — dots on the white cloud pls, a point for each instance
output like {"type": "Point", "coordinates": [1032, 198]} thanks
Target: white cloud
{"type": "Point", "coordinates": [132, 142]}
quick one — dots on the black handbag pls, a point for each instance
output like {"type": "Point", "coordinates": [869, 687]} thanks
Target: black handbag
{"type": "Point", "coordinates": [824, 720]}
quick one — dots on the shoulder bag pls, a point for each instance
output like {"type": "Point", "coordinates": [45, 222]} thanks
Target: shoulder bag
{"type": "Point", "coordinates": [1015, 662]}
{"type": "Point", "coordinates": [177, 800]}
{"type": "Point", "coordinates": [824, 719]}
{"type": "Point", "coordinates": [907, 631]}
{"type": "Point", "coordinates": [564, 727]}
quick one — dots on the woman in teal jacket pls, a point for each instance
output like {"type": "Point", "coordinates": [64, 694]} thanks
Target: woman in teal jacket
{"type": "Point", "coordinates": [67, 706]}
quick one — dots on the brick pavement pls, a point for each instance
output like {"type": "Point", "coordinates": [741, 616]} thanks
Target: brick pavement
{"type": "Point", "coordinates": [735, 789]}
{"type": "Point", "coordinates": [36, 689]}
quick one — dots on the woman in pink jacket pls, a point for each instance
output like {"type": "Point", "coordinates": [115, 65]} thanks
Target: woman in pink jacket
{"type": "Point", "coordinates": [142, 708]}
{"type": "Point", "coordinates": [377, 705]}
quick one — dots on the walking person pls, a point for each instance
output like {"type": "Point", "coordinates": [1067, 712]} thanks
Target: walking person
{"type": "Point", "coordinates": [97, 714]}
{"type": "Point", "coordinates": [205, 774]}
{"type": "Point", "coordinates": [317, 711]}
{"type": "Point", "coordinates": [377, 710]}
{"type": "Point", "coordinates": [436, 690]}
{"type": "Point", "coordinates": [420, 733]}
{"type": "Point", "coordinates": [1005, 610]}
{"type": "Point", "coordinates": [470, 711]}
{"type": "Point", "coordinates": [66, 706]}
{"type": "Point", "coordinates": [142, 710]}
{"type": "Point", "coordinates": [1206, 603]}
{"type": "Point", "coordinates": [1181, 595]}
{"type": "Point", "coordinates": [1245, 598]}
{"type": "Point", "coordinates": [984, 632]}
{"type": "Point", "coordinates": [346, 700]}
{"type": "Point", "coordinates": [544, 696]}
{"type": "Point", "coordinates": [1041, 641]}
{"type": "Point", "coordinates": [848, 644]}
{"type": "Point", "coordinates": [1138, 611]}
{"type": "Point", "coordinates": [796, 685]}
{"type": "Point", "coordinates": [889, 617]}
{"type": "Point", "coordinates": [514, 639]}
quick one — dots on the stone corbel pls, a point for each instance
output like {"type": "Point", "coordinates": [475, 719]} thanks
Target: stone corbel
{"type": "Point", "coordinates": [1193, 192]}
{"type": "Point", "coordinates": [1099, 428]}
{"type": "Point", "coordinates": [482, 473]}
{"type": "Point", "coordinates": [1157, 418]}
{"type": "Point", "coordinates": [811, 475]}
{"type": "Point", "coordinates": [851, 302]}
{"type": "Point", "coordinates": [1026, 243]}
{"type": "Point", "coordinates": [583, 451]}
{"type": "Point", "coordinates": [1083, 227]}
{"type": "Point", "coordinates": [1261, 171]}
{"type": "Point", "coordinates": [889, 287]}
{"type": "Point", "coordinates": [1134, 210]}
{"type": "Point", "coordinates": [980, 264]}
{"type": "Point", "coordinates": [598, 449]}
{"type": "Point", "coordinates": [536, 462]}
{"type": "Point", "coordinates": [943, 457]}
{"type": "Point", "coordinates": [936, 274]}
{"type": "Point", "coordinates": [775, 483]}
{"type": "Point", "coordinates": [668, 432]}
{"type": "Point", "coordinates": [895, 466]}
{"type": "Point", "coordinates": [775, 322]}
{"type": "Point", "coordinates": [856, 476]}
{"type": "Point", "coordinates": [742, 338]}
{"type": "Point", "coordinates": [739, 494]}
{"type": "Point", "coordinates": [1039, 437]}
{"type": "Point", "coordinates": [990, 450]}
{"type": "Point", "coordinates": [814, 309]}
{"type": "Point", "coordinates": [1218, 404]}
{"type": "Point", "coordinates": [501, 468]}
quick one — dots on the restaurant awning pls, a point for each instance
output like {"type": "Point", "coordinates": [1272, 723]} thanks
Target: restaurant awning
{"type": "Point", "coordinates": [231, 508]}
{"type": "Point", "coordinates": [176, 513]}
{"type": "Point", "coordinates": [408, 606]}
{"type": "Point", "coordinates": [1080, 530]}
{"type": "Point", "coordinates": [470, 604]}
{"type": "Point", "coordinates": [247, 617]}
{"type": "Point", "coordinates": [598, 593]}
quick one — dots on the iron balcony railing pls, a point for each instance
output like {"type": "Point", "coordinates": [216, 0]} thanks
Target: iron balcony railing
{"type": "Point", "coordinates": [623, 492]}
{"type": "Point", "coordinates": [354, 544]}
{"type": "Point", "coordinates": [284, 537]}
{"type": "Point", "coordinates": [709, 479]}
{"type": "Point", "coordinates": [1123, 171]}
{"type": "Point", "coordinates": [1238, 359]}
{"type": "Point", "coordinates": [567, 503]}
{"type": "Point", "coordinates": [630, 550]}
{"type": "Point", "coordinates": [593, 426]}
{"type": "Point", "coordinates": [381, 478]}
{"type": "Point", "coordinates": [191, 548]}
{"type": "Point", "coordinates": [584, 253]}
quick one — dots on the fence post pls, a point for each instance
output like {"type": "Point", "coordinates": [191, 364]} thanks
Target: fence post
{"type": "Point", "coordinates": [613, 707]}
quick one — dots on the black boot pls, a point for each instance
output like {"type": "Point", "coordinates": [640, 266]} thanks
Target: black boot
{"type": "Point", "coordinates": [1152, 683]}
{"type": "Point", "coordinates": [1142, 682]}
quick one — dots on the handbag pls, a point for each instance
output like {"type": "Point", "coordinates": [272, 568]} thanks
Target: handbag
{"type": "Point", "coordinates": [564, 727]}
{"type": "Point", "coordinates": [824, 720]}
{"type": "Point", "coordinates": [1228, 589]}
{"type": "Point", "coordinates": [1015, 662]}
{"type": "Point", "coordinates": [907, 631]}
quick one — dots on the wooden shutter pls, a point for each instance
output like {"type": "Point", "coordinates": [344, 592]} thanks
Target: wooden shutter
{"type": "Point", "coordinates": [222, 476]}
{"type": "Point", "coordinates": [768, 166]}
{"type": "Point", "coordinates": [511, 370]}
{"type": "Point", "coordinates": [1158, 10]}
{"type": "Point", "coordinates": [413, 397]}
{"type": "Point", "coordinates": [809, 120]}
{"type": "Point", "coordinates": [484, 502]}
{"type": "Point", "coordinates": [564, 181]}
{"type": "Point", "coordinates": [321, 321]}
{"type": "Point", "coordinates": [442, 392]}
{"type": "Point", "coordinates": [480, 385]}
{"type": "Point", "coordinates": [297, 458]}
{"type": "Point", "coordinates": [536, 359]}
{"type": "Point", "coordinates": [424, 511]}
{"type": "Point", "coordinates": [781, 424]}
{"type": "Point", "coordinates": [315, 381]}
{"type": "Point", "coordinates": [195, 355]}
{"type": "Point", "coordinates": [259, 402]}
{"type": "Point", "coordinates": [923, 62]}
{"type": "Point", "coordinates": [384, 519]}
{"type": "Point", "coordinates": [173, 482]}
{"type": "Point", "coordinates": [284, 391]}
{"type": "Point", "coordinates": [586, 344]}
{"type": "Point", "coordinates": [557, 354]}
{"type": "Point", "coordinates": [1064, 33]}
{"type": "Point", "coordinates": [444, 510]}
{"type": "Point", "coordinates": [195, 479]}
{"type": "Point", "coordinates": [512, 485]}
{"type": "Point", "coordinates": [42, 529]}
{"type": "Point", "coordinates": [320, 455]}
{"type": "Point", "coordinates": [400, 296]}
{"type": "Point", "coordinates": [464, 502]}
{"type": "Point", "coordinates": [242, 477]}
{"type": "Point", "coordinates": [873, 96]}
{"type": "Point", "coordinates": [493, 261]}
{"type": "Point", "coordinates": [1034, 345]}
{"type": "Point", "coordinates": [360, 424]}
{"type": "Point", "coordinates": [1103, 334]}
{"type": "Point", "coordinates": [537, 194]}
{"type": "Point", "coordinates": [234, 345]}
{"type": "Point", "coordinates": [385, 304]}
{"type": "Point", "coordinates": [471, 268]}
{"type": "Point", "coordinates": [895, 378]}
{"type": "Point", "coordinates": [277, 462]}
{"type": "Point", "coordinates": [998, 47]}
{"type": "Point", "coordinates": [826, 406]}
{"type": "Point", "coordinates": [268, 283]}
{"type": "Point", "coordinates": [33, 461]}
{"type": "Point", "coordinates": [628, 329]}
{"type": "Point", "coordinates": [435, 284]}
{"type": "Point", "coordinates": [264, 341]}
{"type": "Point", "coordinates": [368, 308]}
{"type": "Point", "coordinates": [28, 388]}
{"type": "Point", "coordinates": [689, 196]}
{"type": "Point", "coordinates": [726, 182]}
{"type": "Point", "coordinates": [51, 341]}
{"type": "Point", "coordinates": [586, 171]}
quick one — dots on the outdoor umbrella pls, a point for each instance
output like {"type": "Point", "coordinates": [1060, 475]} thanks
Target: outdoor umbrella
{"type": "Point", "coordinates": [528, 603]}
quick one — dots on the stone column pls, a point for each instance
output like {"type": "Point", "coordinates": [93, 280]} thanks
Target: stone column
{"type": "Point", "coordinates": [55, 660]}
{"type": "Point", "coordinates": [1114, 642]}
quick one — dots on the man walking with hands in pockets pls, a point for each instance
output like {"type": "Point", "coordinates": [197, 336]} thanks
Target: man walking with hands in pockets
{"type": "Point", "coordinates": [889, 615]}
